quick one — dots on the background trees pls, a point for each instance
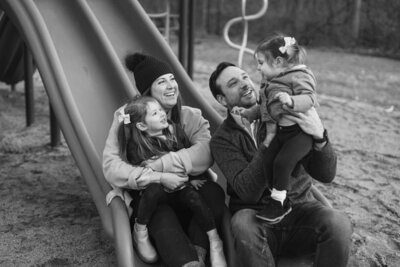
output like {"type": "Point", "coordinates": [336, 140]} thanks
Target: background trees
{"type": "Point", "coordinates": [370, 25]}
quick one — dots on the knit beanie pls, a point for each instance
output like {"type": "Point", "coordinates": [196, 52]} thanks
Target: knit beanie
{"type": "Point", "coordinates": [146, 69]}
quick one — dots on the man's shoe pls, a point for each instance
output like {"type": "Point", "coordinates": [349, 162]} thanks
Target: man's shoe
{"type": "Point", "coordinates": [274, 211]}
{"type": "Point", "coordinates": [144, 248]}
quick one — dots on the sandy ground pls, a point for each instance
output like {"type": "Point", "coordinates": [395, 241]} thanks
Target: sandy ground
{"type": "Point", "coordinates": [47, 216]}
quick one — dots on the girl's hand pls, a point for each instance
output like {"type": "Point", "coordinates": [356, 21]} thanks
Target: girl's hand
{"type": "Point", "coordinates": [197, 183]}
{"type": "Point", "coordinates": [173, 181]}
{"type": "Point", "coordinates": [250, 114]}
{"type": "Point", "coordinates": [285, 99]}
{"type": "Point", "coordinates": [308, 121]}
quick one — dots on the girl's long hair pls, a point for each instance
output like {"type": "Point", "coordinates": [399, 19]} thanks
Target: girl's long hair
{"type": "Point", "coordinates": [137, 146]}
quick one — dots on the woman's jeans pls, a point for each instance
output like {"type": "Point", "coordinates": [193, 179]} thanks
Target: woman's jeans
{"type": "Point", "coordinates": [310, 228]}
{"type": "Point", "coordinates": [169, 228]}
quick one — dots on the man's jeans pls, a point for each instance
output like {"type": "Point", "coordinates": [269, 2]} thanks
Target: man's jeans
{"type": "Point", "coordinates": [310, 228]}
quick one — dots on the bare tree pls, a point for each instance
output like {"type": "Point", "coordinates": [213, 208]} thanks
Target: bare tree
{"type": "Point", "coordinates": [356, 19]}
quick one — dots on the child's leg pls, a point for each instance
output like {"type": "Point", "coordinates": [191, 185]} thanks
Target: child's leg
{"type": "Point", "coordinates": [151, 197]}
{"type": "Point", "coordinates": [272, 151]}
{"type": "Point", "coordinates": [294, 145]}
{"type": "Point", "coordinates": [204, 217]}
{"type": "Point", "coordinates": [189, 197]}
{"type": "Point", "coordinates": [292, 151]}
{"type": "Point", "coordinates": [214, 197]}
{"type": "Point", "coordinates": [149, 201]}
{"type": "Point", "coordinates": [172, 243]}
{"type": "Point", "coordinates": [273, 211]}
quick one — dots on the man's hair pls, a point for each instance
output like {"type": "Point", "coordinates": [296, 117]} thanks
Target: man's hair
{"type": "Point", "coordinates": [216, 89]}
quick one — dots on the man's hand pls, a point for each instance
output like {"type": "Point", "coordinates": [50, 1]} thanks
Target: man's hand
{"type": "Point", "coordinates": [308, 121]}
{"type": "Point", "coordinates": [285, 99]}
{"type": "Point", "coordinates": [173, 181]}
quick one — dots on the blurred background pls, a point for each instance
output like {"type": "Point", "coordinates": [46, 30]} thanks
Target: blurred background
{"type": "Point", "coordinates": [369, 26]}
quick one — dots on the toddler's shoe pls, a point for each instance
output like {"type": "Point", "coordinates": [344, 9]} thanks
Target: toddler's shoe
{"type": "Point", "coordinates": [143, 245]}
{"type": "Point", "coordinates": [274, 211]}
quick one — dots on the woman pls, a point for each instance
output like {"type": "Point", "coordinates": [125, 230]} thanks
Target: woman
{"type": "Point", "coordinates": [167, 226]}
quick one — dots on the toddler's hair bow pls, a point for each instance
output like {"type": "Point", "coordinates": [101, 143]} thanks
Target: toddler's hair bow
{"type": "Point", "coordinates": [289, 41]}
{"type": "Point", "coordinates": [122, 117]}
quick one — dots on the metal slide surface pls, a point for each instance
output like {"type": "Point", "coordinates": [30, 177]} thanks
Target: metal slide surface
{"type": "Point", "coordinates": [79, 47]}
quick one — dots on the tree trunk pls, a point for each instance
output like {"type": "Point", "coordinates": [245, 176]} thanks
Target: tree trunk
{"type": "Point", "coordinates": [356, 19]}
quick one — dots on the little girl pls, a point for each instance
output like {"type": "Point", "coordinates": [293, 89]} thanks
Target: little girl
{"type": "Point", "coordinates": [146, 134]}
{"type": "Point", "coordinates": [286, 82]}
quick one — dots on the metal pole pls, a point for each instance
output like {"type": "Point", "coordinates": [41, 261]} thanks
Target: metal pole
{"type": "Point", "coordinates": [29, 98]}
{"type": "Point", "coordinates": [191, 38]}
{"type": "Point", "coordinates": [167, 21]}
{"type": "Point", "coordinates": [183, 36]}
{"type": "Point", "coordinates": [55, 133]}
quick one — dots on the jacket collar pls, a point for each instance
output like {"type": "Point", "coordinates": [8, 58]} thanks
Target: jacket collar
{"type": "Point", "coordinates": [235, 122]}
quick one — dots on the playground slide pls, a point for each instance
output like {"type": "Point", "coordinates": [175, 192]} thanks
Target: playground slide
{"type": "Point", "coordinates": [79, 47]}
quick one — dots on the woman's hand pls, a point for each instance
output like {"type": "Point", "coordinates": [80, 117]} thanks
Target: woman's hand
{"type": "Point", "coordinates": [147, 177]}
{"type": "Point", "coordinates": [308, 121]}
{"type": "Point", "coordinates": [173, 181]}
{"type": "Point", "coordinates": [154, 164]}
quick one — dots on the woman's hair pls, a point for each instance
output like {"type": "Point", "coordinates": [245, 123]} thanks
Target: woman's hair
{"type": "Point", "coordinates": [137, 146]}
{"type": "Point", "coordinates": [146, 69]}
{"type": "Point", "coordinates": [281, 46]}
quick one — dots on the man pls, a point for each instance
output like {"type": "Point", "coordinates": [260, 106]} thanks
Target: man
{"type": "Point", "coordinates": [239, 150]}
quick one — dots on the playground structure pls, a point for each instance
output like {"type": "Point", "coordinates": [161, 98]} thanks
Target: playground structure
{"type": "Point", "coordinates": [78, 47]}
{"type": "Point", "coordinates": [244, 20]}
{"type": "Point", "coordinates": [166, 17]}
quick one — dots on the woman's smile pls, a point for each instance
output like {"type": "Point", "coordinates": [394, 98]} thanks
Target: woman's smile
{"type": "Point", "coordinates": [170, 94]}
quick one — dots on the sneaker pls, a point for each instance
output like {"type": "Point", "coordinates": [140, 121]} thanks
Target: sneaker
{"type": "Point", "coordinates": [144, 248]}
{"type": "Point", "coordinates": [274, 211]}
{"type": "Point", "coordinates": [217, 257]}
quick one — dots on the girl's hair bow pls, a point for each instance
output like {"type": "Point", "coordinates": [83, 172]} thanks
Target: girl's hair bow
{"type": "Point", "coordinates": [289, 41]}
{"type": "Point", "coordinates": [122, 117]}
